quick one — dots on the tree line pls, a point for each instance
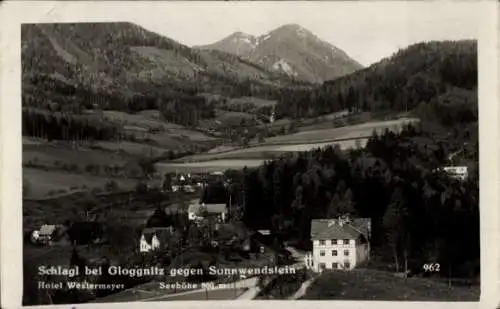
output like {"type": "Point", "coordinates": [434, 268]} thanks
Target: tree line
{"type": "Point", "coordinates": [65, 126]}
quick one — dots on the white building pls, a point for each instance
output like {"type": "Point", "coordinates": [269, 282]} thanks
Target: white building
{"type": "Point", "coordinates": [197, 211]}
{"type": "Point", "coordinates": [45, 235]}
{"type": "Point", "coordinates": [457, 172]}
{"type": "Point", "coordinates": [341, 243]}
{"type": "Point", "coordinates": [154, 238]}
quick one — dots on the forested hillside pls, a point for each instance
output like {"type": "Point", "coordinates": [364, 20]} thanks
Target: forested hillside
{"type": "Point", "coordinates": [424, 74]}
{"type": "Point", "coordinates": [424, 217]}
{"type": "Point", "coordinates": [122, 66]}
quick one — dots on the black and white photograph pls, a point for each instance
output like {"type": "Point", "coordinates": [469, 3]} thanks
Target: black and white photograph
{"type": "Point", "coordinates": [251, 151]}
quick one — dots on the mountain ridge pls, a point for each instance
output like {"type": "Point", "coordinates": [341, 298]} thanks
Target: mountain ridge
{"type": "Point", "coordinates": [290, 49]}
{"type": "Point", "coordinates": [124, 61]}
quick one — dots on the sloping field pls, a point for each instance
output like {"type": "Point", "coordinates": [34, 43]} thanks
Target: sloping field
{"type": "Point", "coordinates": [354, 131]}
{"type": "Point", "coordinates": [54, 154]}
{"type": "Point", "coordinates": [41, 182]}
{"type": "Point", "coordinates": [135, 149]}
{"type": "Point", "coordinates": [207, 166]}
{"type": "Point", "coordinates": [349, 136]}
{"type": "Point", "coordinates": [364, 284]}
{"type": "Point", "coordinates": [168, 135]}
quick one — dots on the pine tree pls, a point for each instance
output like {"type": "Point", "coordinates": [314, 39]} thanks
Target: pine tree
{"type": "Point", "coordinates": [395, 224]}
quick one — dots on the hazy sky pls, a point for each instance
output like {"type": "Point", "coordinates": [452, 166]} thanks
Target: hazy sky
{"type": "Point", "coordinates": [366, 31]}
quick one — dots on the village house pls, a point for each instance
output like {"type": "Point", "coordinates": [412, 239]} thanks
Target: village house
{"type": "Point", "coordinates": [457, 172]}
{"type": "Point", "coordinates": [199, 211]}
{"type": "Point", "coordinates": [45, 235]}
{"type": "Point", "coordinates": [159, 229]}
{"type": "Point", "coordinates": [154, 238]}
{"type": "Point", "coordinates": [184, 183]}
{"type": "Point", "coordinates": [341, 243]}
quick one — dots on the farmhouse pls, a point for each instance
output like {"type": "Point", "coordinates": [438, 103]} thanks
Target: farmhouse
{"type": "Point", "coordinates": [341, 243]}
{"type": "Point", "coordinates": [45, 235]}
{"type": "Point", "coordinates": [154, 238]}
{"type": "Point", "coordinates": [185, 183]}
{"type": "Point", "coordinates": [199, 211]}
{"type": "Point", "coordinates": [457, 172]}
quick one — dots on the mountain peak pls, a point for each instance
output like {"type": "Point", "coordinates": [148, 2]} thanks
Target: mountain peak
{"type": "Point", "coordinates": [292, 29]}
{"type": "Point", "coordinates": [290, 49]}
{"type": "Point", "coordinates": [238, 43]}
{"type": "Point", "coordinates": [241, 34]}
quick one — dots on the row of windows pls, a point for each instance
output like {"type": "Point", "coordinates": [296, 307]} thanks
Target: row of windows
{"type": "Point", "coordinates": [334, 242]}
{"type": "Point", "coordinates": [346, 265]}
{"type": "Point", "coordinates": [334, 253]}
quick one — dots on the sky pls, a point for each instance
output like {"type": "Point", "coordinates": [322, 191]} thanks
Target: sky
{"type": "Point", "coordinates": [366, 31]}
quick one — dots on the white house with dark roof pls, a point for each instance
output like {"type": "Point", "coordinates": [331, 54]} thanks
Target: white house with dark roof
{"type": "Point", "coordinates": [45, 234]}
{"type": "Point", "coordinates": [457, 172]}
{"type": "Point", "coordinates": [339, 244]}
{"type": "Point", "coordinates": [154, 238]}
{"type": "Point", "coordinates": [198, 211]}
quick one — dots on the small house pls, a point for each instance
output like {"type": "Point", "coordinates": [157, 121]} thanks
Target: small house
{"type": "Point", "coordinates": [154, 238]}
{"type": "Point", "coordinates": [46, 234]}
{"type": "Point", "coordinates": [199, 211]}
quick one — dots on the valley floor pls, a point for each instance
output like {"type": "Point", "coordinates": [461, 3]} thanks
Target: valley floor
{"type": "Point", "coordinates": [61, 169]}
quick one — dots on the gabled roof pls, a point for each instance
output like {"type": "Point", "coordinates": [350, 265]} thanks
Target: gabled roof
{"type": "Point", "coordinates": [333, 229]}
{"type": "Point", "coordinates": [194, 207]}
{"type": "Point", "coordinates": [216, 208]}
{"type": "Point", "coordinates": [47, 229]}
{"type": "Point", "coordinates": [210, 208]}
{"type": "Point", "coordinates": [161, 233]}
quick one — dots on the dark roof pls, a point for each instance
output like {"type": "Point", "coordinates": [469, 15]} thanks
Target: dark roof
{"type": "Point", "coordinates": [209, 208]}
{"type": "Point", "coordinates": [216, 208]}
{"type": "Point", "coordinates": [159, 219]}
{"type": "Point", "coordinates": [47, 229]}
{"type": "Point", "coordinates": [332, 229]}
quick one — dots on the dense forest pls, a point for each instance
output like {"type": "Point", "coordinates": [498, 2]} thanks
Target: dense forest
{"type": "Point", "coordinates": [418, 216]}
{"type": "Point", "coordinates": [66, 126]}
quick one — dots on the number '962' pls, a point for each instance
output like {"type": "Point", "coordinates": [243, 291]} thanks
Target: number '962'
{"type": "Point", "coordinates": [431, 267]}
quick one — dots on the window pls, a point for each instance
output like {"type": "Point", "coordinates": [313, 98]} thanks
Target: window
{"type": "Point", "coordinates": [335, 265]}
{"type": "Point", "coordinates": [346, 252]}
{"type": "Point", "coordinates": [346, 241]}
{"type": "Point", "coordinates": [322, 253]}
{"type": "Point", "coordinates": [334, 252]}
{"type": "Point", "coordinates": [321, 242]}
{"type": "Point", "coordinates": [347, 265]}
{"type": "Point", "coordinates": [334, 241]}
{"type": "Point", "coordinates": [322, 266]}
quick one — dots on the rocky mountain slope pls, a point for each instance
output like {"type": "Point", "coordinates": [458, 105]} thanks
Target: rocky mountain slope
{"type": "Point", "coordinates": [292, 50]}
{"type": "Point", "coordinates": [108, 63]}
